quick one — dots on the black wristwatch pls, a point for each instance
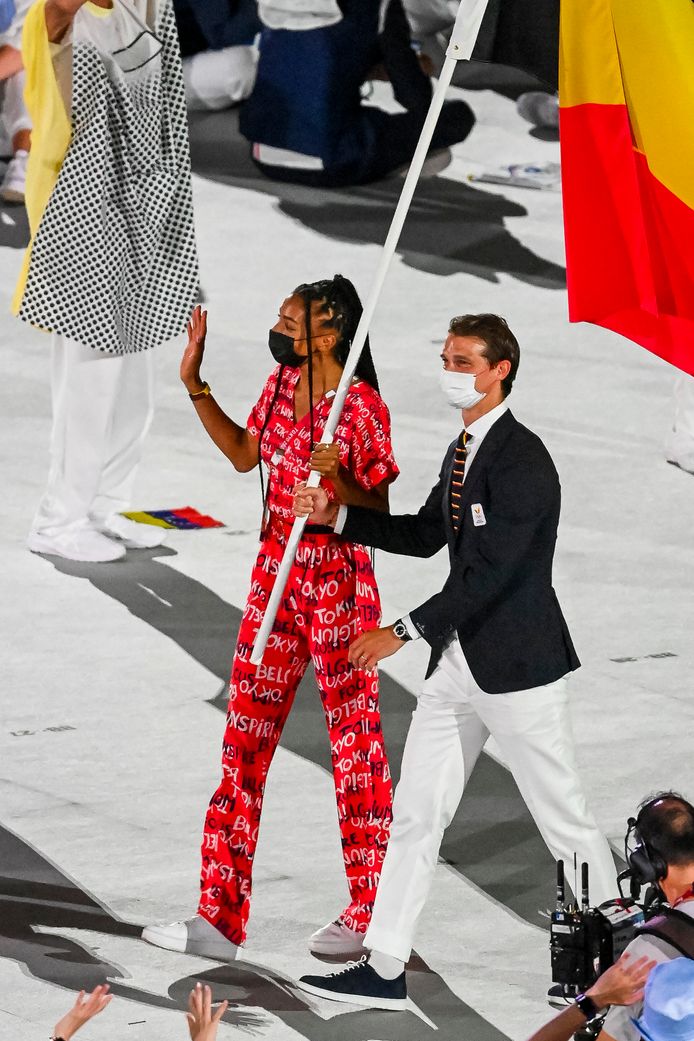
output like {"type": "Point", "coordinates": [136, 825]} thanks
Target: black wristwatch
{"type": "Point", "coordinates": [587, 1006]}
{"type": "Point", "coordinates": [401, 631]}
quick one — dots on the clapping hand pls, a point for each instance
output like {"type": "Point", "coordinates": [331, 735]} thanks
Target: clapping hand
{"type": "Point", "coordinates": [201, 1023]}
{"type": "Point", "coordinates": [84, 1009]}
{"type": "Point", "coordinates": [195, 349]}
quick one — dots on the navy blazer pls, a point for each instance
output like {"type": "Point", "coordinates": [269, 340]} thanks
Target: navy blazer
{"type": "Point", "coordinates": [498, 596]}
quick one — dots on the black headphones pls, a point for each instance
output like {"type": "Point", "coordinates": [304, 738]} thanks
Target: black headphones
{"type": "Point", "coordinates": [646, 865]}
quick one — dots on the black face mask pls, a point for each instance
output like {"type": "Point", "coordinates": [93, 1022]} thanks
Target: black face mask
{"type": "Point", "coordinates": [282, 350]}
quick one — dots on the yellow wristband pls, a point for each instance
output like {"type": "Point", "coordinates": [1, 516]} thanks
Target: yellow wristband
{"type": "Point", "coordinates": [205, 392]}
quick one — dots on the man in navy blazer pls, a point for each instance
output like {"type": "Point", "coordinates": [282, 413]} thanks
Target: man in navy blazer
{"type": "Point", "coordinates": [500, 650]}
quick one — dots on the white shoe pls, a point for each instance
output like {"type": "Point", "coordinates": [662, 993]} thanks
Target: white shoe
{"type": "Point", "coordinates": [337, 940]}
{"type": "Point", "coordinates": [539, 108]}
{"type": "Point", "coordinates": [194, 936]}
{"type": "Point", "coordinates": [83, 544]}
{"type": "Point", "coordinates": [435, 163]}
{"type": "Point", "coordinates": [14, 181]}
{"type": "Point", "coordinates": [131, 534]}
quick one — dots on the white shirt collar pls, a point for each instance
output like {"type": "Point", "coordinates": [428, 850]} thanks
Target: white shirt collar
{"type": "Point", "coordinates": [481, 427]}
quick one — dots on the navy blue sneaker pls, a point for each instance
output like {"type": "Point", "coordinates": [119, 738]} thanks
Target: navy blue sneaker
{"type": "Point", "coordinates": [359, 984]}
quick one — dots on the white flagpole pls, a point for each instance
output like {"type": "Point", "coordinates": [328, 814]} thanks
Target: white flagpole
{"type": "Point", "coordinates": [463, 39]}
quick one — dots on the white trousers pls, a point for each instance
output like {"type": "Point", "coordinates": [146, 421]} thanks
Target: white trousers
{"type": "Point", "coordinates": [680, 446]}
{"type": "Point", "coordinates": [218, 79]}
{"type": "Point", "coordinates": [14, 111]}
{"type": "Point", "coordinates": [449, 728]}
{"type": "Point", "coordinates": [102, 409]}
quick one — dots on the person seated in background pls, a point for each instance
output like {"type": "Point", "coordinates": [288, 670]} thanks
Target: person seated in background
{"type": "Point", "coordinates": [305, 118]}
{"type": "Point", "coordinates": [217, 45]}
{"type": "Point", "coordinates": [14, 113]}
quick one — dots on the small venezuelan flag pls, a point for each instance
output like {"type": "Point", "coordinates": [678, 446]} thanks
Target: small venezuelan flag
{"type": "Point", "coordinates": [626, 91]}
{"type": "Point", "coordinates": [185, 518]}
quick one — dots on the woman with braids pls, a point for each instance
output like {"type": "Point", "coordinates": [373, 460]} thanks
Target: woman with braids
{"type": "Point", "coordinates": [330, 597]}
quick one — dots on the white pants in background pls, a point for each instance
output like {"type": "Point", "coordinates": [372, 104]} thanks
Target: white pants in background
{"type": "Point", "coordinates": [680, 446]}
{"type": "Point", "coordinates": [14, 111]}
{"type": "Point", "coordinates": [450, 726]}
{"type": "Point", "coordinates": [218, 79]}
{"type": "Point", "coordinates": [102, 409]}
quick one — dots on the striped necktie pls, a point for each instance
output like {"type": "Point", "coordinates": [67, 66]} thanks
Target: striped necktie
{"type": "Point", "coordinates": [457, 478]}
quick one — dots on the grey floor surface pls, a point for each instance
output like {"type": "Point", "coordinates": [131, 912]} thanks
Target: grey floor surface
{"type": "Point", "coordinates": [114, 679]}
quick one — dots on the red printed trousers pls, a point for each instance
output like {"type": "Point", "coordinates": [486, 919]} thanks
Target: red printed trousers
{"type": "Point", "coordinates": [330, 597]}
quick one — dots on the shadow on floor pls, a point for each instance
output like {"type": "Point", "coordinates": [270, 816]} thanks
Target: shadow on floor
{"type": "Point", "coordinates": [492, 840]}
{"type": "Point", "coordinates": [451, 227]}
{"type": "Point", "coordinates": [36, 896]}
{"type": "Point", "coordinates": [14, 226]}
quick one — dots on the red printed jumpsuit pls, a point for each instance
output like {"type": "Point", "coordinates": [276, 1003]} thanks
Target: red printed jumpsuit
{"type": "Point", "coordinates": [330, 597]}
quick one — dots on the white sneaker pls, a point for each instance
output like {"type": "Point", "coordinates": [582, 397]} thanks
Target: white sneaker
{"type": "Point", "coordinates": [436, 161]}
{"type": "Point", "coordinates": [539, 108]}
{"type": "Point", "coordinates": [83, 544]}
{"type": "Point", "coordinates": [194, 936]}
{"type": "Point", "coordinates": [131, 534]}
{"type": "Point", "coordinates": [14, 181]}
{"type": "Point", "coordinates": [337, 940]}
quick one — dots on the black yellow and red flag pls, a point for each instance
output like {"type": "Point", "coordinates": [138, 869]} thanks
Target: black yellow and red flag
{"type": "Point", "coordinates": [626, 92]}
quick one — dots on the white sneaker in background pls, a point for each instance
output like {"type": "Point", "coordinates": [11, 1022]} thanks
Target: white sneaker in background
{"type": "Point", "coordinates": [539, 108]}
{"type": "Point", "coordinates": [83, 544]}
{"type": "Point", "coordinates": [435, 163]}
{"type": "Point", "coordinates": [193, 936]}
{"type": "Point", "coordinates": [131, 534]}
{"type": "Point", "coordinates": [337, 940]}
{"type": "Point", "coordinates": [14, 181]}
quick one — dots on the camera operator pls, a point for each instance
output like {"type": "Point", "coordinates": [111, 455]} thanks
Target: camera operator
{"type": "Point", "coordinates": [664, 857]}
{"type": "Point", "coordinates": [622, 984]}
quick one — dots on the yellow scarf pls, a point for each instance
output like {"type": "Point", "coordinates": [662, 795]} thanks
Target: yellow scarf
{"type": "Point", "coordinates": [51, 131]}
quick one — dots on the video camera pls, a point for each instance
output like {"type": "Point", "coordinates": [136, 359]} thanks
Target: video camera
{"type": "Point", "coordinates": [585, 940]}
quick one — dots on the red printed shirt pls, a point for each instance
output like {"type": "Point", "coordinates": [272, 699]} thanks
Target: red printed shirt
{"type": "Point", "coordinates": [363, 435]}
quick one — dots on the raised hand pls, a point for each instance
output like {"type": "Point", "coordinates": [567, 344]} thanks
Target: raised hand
{"type": "Point", "coordinates": [201, 1023]}
{"type": "Point", "coordinates": [59, 15]}
{"type": "Point", "coordinates": [195, 349]}
{"type": "Point", "coordinates": [84, 1009]}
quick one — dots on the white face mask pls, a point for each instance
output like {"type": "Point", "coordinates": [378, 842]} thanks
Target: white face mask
{"type": "Point", "coordinates": [459, 388]}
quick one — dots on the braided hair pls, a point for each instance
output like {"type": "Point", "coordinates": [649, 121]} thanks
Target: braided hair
{"type": "Point", "coordinates": [340, 304]}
